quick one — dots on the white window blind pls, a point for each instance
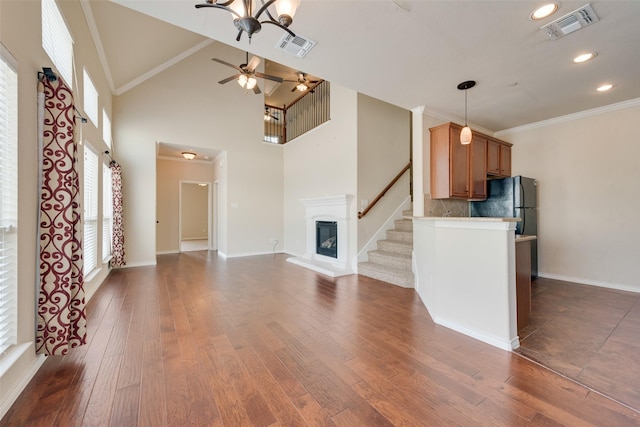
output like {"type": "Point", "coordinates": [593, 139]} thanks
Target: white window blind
{"type": "Point", "coordinates": [90, 98]}
{"type": "Point", "coordinates": [106, 128]}
{"type": "Point", "coordinates": [90, 244]}
{"type": "Point", "coordinates": [56, 39]}
{"type": "Point", "coordinates": [8, 199]}
{"type": "Point", "coordinates": [107, 212]}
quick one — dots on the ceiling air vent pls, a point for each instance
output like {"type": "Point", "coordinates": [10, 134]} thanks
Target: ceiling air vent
{"type": "Point", "coordinates": [571, 22]}
{"type": "Point", "coordinates": [297, 46]}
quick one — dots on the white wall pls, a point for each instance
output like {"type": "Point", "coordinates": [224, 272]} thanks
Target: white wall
{"type": "Point", "coordinates": [20, 23]}
{"type": "Point", "coordinates": [185, 105]}
{"type": "Point", "coordinates": [319, 163]}
{"type": "Point", "coordinates": [384, 142]}
{"type": "Point", "coordinates": [588, 196]}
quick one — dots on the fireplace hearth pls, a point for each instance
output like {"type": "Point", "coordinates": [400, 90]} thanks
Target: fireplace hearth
{"type": "Point", "coordinates": [327, 235]}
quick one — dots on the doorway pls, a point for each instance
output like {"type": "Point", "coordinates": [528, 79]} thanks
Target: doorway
{"type": "Point", "coordinates": [195, 216]}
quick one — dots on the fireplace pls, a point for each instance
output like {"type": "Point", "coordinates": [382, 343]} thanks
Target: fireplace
{"type": "Point", "coordinates": [327, 235]}
{"type": "Point", "coordinates": [327, 238]}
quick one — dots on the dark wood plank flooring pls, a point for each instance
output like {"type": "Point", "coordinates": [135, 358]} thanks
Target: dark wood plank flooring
{"type": "Point", "coordinates": [257, 341]}
{"type": "Point", "coordinates": [587, 333]}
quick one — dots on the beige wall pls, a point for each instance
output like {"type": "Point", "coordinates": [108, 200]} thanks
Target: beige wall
{"type": "Point", "coordinates": [322, 162]}
{"type": "Point", "coordinates": [184, 105]}
{"type": "Point", "coordinates": [588, 196]}
{"type": "Point", "coordinates": [20, 23]}
{"type": "Point", "coordinates": [170, 173]}
{"type": "Point", "coordinates": [384, 142]}
{"type": "Point", "coordinates": [194, 211]}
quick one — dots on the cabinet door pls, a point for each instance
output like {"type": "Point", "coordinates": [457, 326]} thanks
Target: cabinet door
{"type": "Point", "coordinates": [505, 160]}
{"type": "Point", "coordinates": [478, 164]}
{"type": "Point", "coordinates": [459, 172]}
{"type": "Point", "coordinates": [493, 157]}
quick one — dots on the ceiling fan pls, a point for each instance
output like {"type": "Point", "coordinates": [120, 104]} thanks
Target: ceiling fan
{"type": "Point", "coordinates": [268, 115]}
{"type": "Point", "coordinates": [247, 73]}
{"type": "Point", "coordinates": [302, 83]}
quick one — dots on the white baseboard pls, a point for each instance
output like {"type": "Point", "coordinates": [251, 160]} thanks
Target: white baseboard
{"type": "Point", "coordinates": [244, 254]}
{"type": "Point", "coordinates": [489, 339]}
{"type": "Point", "coordinates": [22, 384]}
{"type": "Point", "coordinates": [583, 281]}
{"type": "Point", "coordinates": [139, 264]}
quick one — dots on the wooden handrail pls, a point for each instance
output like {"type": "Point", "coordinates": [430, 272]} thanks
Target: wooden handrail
{"type": "Point", "coordinates": [383, 192]}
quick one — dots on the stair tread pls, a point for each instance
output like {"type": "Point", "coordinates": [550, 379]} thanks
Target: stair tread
{"type": "Point", "coordinates": [390, 254]}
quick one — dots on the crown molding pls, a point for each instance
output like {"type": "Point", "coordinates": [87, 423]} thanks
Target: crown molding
{"type": "Point", "coordinates": [570, 117]}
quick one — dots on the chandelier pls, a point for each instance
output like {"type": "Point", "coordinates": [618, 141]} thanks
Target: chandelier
{"type": "Point", "coordinates": [245, 20]}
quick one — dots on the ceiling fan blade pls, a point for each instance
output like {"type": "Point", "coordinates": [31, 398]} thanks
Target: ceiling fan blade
{"type": "Point", "coordinates": [268, 77]}
{"type": "Point", "coordinates": [253, 63]}
{"type": "Point", "coordinates": [294, 88]}
{"type": "Point", "coordinates": [226, 63]}
{"type": "Point", "coordinates": [256, 90]}
{"type": "Point", "coordinates": [228, 79]}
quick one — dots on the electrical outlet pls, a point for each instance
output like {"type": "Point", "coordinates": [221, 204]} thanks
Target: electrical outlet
{"type": "Point", "coordinates": [273, 240]}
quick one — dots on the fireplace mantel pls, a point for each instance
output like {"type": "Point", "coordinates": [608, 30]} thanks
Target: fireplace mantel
{"type": "Point", "coordinates": [326, 208]}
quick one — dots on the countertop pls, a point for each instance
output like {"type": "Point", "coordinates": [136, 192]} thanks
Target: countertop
{"type": "Point", "coordinates": [466, 218]}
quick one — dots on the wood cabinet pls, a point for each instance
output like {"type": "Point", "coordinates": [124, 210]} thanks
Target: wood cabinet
{"type": "Point", "coordinates": [498, 158]}
{"type": "Point", "coordinates": [460, 171]}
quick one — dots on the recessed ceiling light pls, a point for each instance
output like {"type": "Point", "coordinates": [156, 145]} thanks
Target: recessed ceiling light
{"type": "Point", "coordinates": [544, 11]}
{"type": "Point", "coordinates": [584, 57]}
{"type": "Point", "coordinates": [604, 87]}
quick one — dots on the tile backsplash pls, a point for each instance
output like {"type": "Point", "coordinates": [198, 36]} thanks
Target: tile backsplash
{"type": "Point", "coordinates": [445, 207]}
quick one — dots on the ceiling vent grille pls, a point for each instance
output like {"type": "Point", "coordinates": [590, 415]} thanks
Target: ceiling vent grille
{"type": "Point", "coordinates": [297, 46]}
{"type": "Point", "coordinates": [571, 22]}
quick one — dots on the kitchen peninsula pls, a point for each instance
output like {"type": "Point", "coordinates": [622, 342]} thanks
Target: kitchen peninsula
{"type": "Point", "coordinates": [465, 272]}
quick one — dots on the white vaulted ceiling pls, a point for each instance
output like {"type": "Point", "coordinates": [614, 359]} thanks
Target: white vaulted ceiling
{"type": "Point", "coordinates": [407, 53]}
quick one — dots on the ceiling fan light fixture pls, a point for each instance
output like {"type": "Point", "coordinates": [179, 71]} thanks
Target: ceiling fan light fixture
{"type": "Point", "coordinates": [189, 155]}
{"type": "Point", "coordinates": [251, 83]}
{"type": "Point", "coordinates": [465, 134]}
{"type": "Point", "coordinates": [302, 86]}
{"type": "Point", "coordinates": [242, 80]}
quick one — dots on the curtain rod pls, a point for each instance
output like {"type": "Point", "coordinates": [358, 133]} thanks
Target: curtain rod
{"type": "Point", "coordinates": [112, 162]}
{"type": "Point", "coordinates": [48, 73]}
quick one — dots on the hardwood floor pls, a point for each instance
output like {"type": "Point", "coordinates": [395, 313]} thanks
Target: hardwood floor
{"type": "Point", "coordinates": [587, 333]}
{"type": "Point", "coordinates": [257, 341]}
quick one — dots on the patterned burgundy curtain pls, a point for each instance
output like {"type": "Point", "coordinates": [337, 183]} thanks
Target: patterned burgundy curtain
{"type": "Point", "coordinates": [117, 245]}
{"type": "Point", "coordinates": [61, 302]}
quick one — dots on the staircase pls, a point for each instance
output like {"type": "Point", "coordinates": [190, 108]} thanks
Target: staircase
{"type": "Point", "coordinates": [391, 261]}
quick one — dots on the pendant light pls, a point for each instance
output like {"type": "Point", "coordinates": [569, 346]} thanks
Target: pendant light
{"type": "Point", "coordinates": [465, 134]}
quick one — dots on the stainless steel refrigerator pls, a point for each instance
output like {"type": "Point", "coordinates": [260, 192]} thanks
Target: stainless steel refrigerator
{"type": "Point", "coordinates": [513, 197]}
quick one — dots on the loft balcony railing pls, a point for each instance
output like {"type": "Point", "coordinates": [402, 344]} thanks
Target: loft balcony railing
{"type": "Point", "coordinates": [282, 125]}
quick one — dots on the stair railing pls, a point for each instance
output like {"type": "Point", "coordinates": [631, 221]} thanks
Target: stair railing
{"type": "Point", "coordinates": [383, 192]}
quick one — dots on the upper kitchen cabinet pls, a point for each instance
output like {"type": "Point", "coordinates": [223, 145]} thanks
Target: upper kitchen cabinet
{"type": "Point", "coordinates": [498, 158]}
{"type": "Point", "coordinates": [457, 171]}
{"type": "Point", "coordinates": [460, 171]}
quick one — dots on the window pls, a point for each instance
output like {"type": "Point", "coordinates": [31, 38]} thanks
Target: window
{"type": "Point", "coordinates": [106, 128]}
{"type": "Point", "coordinates": [90, 98]}
{"type": "Point", "coordinates": [90, 245]}
{"type": "Point", "coordinates": [107, 212]}
{"type": "Point", "coordinates": [56, 39]}
{"type": "Point", "coordinates": [8, 199]}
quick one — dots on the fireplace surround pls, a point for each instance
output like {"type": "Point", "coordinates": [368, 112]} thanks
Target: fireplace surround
{"type": "Point", "coordinates": [326, 209]}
